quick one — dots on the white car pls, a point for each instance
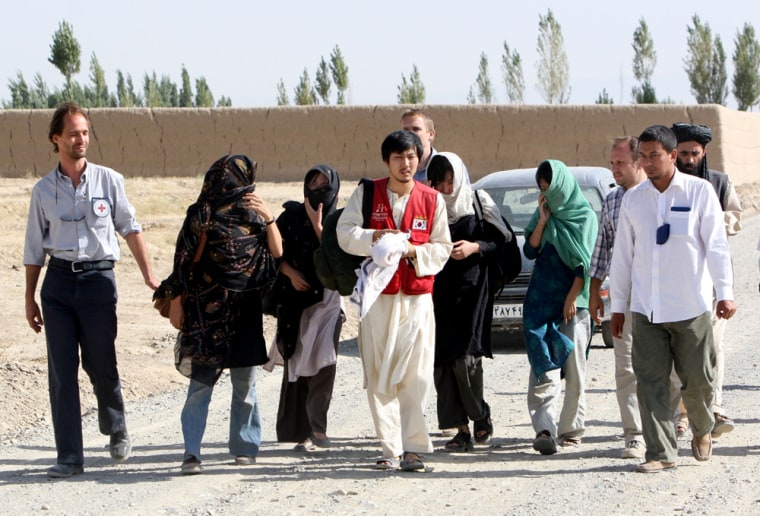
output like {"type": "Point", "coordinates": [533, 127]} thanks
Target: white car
{"type": "Point", "coordinates": [516, 194]}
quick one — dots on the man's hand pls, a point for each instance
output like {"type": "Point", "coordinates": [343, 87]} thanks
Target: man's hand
{"type": "Point", "coordinates": [34, 316]}
{"type": "Point", "coordinates": [616, 324]}
{"type": "Point", "coordinates": [596, 306]}
{"type": "Point", "coordinates": [725, 309]}
{"type": "Point", "coordinates": [152, 281]}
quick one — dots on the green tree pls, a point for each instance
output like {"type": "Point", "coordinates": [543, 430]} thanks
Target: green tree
{"type": "Point", "coordinates": [40, 94]}
{"type": "Point", "coordinates": [323, 81]}
{"type": "Point", "coordinates": [411, 91]}
{"type": "Point", "coordinates": [339, 72]}
{"type": "Point", "coordinates": [21, 97]}
{"type": "Point", "coordinates": [644, 61]}
{"type": "Point", "coordinates": [203, 96]}
{"type": "Point", "coordinates": [705, 64]}
{"type": "Point", "coordinates": [224, 102]}
{"type": "Point", "coordinates": [511, 67]}
{"type": "Point", "coordinates": [98, 92]}
{"type": "Point", "coordinates": [471, 98]}
{"type": "Point", "coordinates": [169, 92]}
{"type": "Point", "coordinates": [304, 94]}
{"type": "Point", "coordinates": [125, 91]}
{"type": "Point", "coordinates": [553, 68]}
{"type": "Point", "coordinates": [65, 54]}
{"type": "Point", "coordinates": [604, 98]}
{"type": "Point", "coordinates": [186, 91]}
{"type": "Point", "coordinates": [151, 91]}
{"type": "Point", "coordinates": [483, 83]}
{"type": "Point", "coordinates": [746, 81]}
{"type": "Point", "coordinates": [282, 94]}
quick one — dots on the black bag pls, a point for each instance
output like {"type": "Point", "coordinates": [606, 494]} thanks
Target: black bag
{"type": "Point", "coordinates": [507, 263]}
{"type": "Point", "coordinates": [335, 267]}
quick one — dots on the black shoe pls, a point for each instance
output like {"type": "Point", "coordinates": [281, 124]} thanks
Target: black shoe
{"type": "Point", "coordinates": [191, 466]}
{"type": "Point", "coordinates": [120, 446]}
{"type": "Point", "coordinates": [65, 470]}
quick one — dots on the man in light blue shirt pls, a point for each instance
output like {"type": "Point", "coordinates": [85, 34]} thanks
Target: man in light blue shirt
{"type": "Point", "coordinates": [74, 215]}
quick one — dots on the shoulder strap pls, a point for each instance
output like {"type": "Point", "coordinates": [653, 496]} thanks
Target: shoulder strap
{"type": "Point", "coordinates": [369, 194]}
{"type": "Point", "coordinates": [478, 206]}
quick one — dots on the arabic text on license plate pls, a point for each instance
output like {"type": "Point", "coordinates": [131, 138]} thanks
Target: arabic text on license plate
{"type": "Point", "coordinates": [507, 311]}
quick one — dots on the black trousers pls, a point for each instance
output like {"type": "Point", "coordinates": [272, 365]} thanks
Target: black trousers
{"type": "Point", "coordinates": [79, 313]}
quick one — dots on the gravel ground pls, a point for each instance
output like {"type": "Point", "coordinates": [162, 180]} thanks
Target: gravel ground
{"type": "Point", "coordinates": [505, 477]}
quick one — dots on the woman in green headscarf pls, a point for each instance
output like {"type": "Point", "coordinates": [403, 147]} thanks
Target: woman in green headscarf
{"type": "Point", "coordinates": [556, 322]}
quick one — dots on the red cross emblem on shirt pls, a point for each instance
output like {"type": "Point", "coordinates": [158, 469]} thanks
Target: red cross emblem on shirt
{"type": "Point", "coordinates": [101, 208]}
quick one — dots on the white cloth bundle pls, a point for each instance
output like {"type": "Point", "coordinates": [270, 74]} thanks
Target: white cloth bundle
{"type": "Point", "coordinates": [376, 271]}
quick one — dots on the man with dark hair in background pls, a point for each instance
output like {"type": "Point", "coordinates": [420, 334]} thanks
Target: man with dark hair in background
{"type": "Point", "coordinates": [692, 159]}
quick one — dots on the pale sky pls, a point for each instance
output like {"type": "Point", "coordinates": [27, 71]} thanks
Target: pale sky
{"type": "Point", "coordinates": [243, 48]}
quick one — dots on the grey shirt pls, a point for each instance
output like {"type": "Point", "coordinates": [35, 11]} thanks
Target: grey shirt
{"type": "Point", "coordinates": [78, 224]}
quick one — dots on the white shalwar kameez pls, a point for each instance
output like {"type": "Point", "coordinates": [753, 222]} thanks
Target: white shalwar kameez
{"type": "Point", "coordinates": [397, 335]}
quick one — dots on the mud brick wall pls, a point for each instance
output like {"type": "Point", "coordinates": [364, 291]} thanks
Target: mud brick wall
{"type": "Point", "coordinates": [286, 141]}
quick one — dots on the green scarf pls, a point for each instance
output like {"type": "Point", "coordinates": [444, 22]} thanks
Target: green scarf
{"type": "Point", "coordinates": [573, 225]}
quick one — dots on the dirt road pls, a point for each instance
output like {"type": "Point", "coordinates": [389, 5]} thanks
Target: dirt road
{"type": "Point", "coordinates": [506, 477]}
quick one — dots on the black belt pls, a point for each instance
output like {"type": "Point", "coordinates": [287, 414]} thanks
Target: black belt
{"type": "Point", "coordinates": [98, 265]}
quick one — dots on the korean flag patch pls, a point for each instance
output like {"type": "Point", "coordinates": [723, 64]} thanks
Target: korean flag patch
{"type": "Point", "coordinates": [419, 224]}
{"type": "Point", "coordinates": [101, 207]}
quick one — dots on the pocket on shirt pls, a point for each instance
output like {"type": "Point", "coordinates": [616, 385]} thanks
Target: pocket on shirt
{"type": "Point", "coordinates": [679, 220]}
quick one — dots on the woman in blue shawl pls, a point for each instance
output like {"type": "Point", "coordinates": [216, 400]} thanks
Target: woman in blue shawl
{"type": "Point", "coordinates": [557, 326]}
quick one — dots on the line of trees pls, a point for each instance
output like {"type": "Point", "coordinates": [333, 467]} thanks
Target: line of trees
{"type": "Point", "coordinates": [327, 75]}
{"type": "Point", "coordinates": [65, 55]}
{"type": "Point", "coordinates": [704, 65]}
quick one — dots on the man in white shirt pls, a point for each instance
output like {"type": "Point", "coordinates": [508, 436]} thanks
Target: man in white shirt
{"type": "Point", "coordinates": [670, 251]}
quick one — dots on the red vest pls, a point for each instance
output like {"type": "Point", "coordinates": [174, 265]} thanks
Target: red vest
{"type": "Point", "coordinates": [417, 221]}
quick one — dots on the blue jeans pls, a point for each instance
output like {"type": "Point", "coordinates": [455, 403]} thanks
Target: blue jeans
{"type": "Point", "coordinates": [245, 421]}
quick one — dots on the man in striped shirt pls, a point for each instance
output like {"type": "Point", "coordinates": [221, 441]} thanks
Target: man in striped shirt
{"type": "Point", "coordinates": [628, 173]}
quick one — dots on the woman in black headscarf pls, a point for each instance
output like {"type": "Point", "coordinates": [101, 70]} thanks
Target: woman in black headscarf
{"type": "Point", "coordinates": [225, 250]}
{"type": "Point", "coordinates": [309, 317]}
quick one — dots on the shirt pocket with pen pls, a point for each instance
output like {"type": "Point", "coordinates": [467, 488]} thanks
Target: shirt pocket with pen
{"type": "Point", "coordinates": [679, 220]}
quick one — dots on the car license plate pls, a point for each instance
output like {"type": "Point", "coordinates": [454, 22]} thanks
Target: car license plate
{"type": "Point", "coordinates": [507, 311]}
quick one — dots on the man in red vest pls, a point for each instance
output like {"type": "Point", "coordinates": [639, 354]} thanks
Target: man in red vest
{"type": "Point", "coordinates": [397, 334]}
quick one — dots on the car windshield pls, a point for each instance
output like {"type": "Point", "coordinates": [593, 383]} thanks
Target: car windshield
{"type": "Point", "coordinates": [518, 203]}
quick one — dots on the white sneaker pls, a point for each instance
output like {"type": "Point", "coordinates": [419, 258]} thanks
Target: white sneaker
{"type": "Point", "coordinates": [634, 449]}
{"type": "Point", "coordinates": [723, 425]}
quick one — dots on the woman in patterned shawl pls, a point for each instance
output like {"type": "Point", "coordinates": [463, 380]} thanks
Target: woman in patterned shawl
{"type": "Point", "coordinates": [560, 237]}
{"type": "Point", "coordinates": [216, 303]}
